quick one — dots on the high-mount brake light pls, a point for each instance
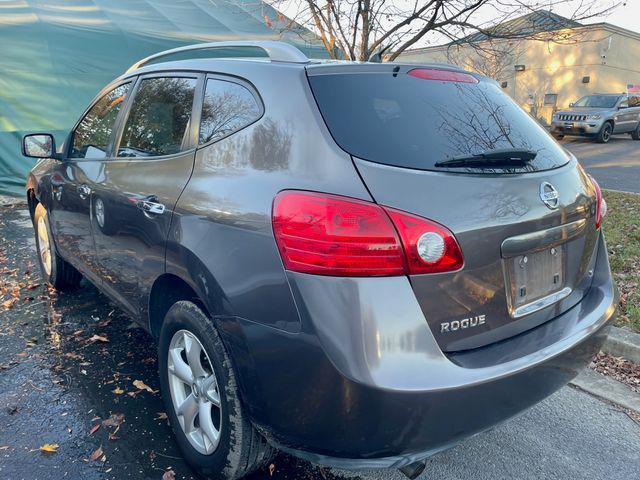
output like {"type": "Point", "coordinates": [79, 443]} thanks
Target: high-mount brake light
{"type": "Point", "coordinates": [601, 203]}
{"type": "Point", "coordinates": [327, 234]}
{"type": "Point", "coordinates": [442, 75]}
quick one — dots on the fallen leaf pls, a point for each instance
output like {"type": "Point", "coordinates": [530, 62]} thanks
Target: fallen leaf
{"type": "Point", "coordinates": [161, 416]}
{"type": "Point", "coordinates": [4, 447]}
{"type": "Point", "coordinates": [169, 475]}
{"type": "Point", "coordinates": [115, 420]}
{"type": "Point", "coordinates": [9, 303]}
{"type": "Point", "coordinates": [96, 455]}
{"type": "Point", "coordinates": [140, 385]}
{"type": "Point", "coordinates": [272, 469]}
{"type": "Point", "coordinates": [49, 448]}
{"type": "Point", "coordinates": [98, 338]}
{"type": "Point", "coordinates": [94, 429]}
{"type": "Point", "coordinates": [118, 391]}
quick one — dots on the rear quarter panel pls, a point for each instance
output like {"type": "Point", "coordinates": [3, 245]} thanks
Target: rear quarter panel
{"type": "Point", "coordinates": [221, 240]}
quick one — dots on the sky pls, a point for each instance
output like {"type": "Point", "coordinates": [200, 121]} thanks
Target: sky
{"type": "Point", "coordinates": [626, 16]}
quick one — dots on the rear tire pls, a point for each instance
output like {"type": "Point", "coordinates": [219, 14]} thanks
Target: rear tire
{"type": "Point", "coordinates": [604, 135]}
{"type": "Point", "coordinates": [237, 449]}
{"type": "Point", "coordinates": [636, 133]}
{"type": "Point", "coordinates": [55, 270]}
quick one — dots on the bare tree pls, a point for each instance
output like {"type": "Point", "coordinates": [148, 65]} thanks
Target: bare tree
{"type": "Point", "coordinates": [493, 58]}
{"type": "Point", "coordinates": [359, 29]}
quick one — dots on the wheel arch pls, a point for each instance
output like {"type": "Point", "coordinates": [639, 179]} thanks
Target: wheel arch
{"type": "Point", "coordinates": [168, 289]}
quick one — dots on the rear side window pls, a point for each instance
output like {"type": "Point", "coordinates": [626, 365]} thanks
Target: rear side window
{"type": "Point", "coordinates": [227, 108]}
{"type": "Point", "coordinates": [412, 122]}
{"type": "Point", "coordinates": [159, 118]}
{"type": "Point", "coordinates": [93, 133]}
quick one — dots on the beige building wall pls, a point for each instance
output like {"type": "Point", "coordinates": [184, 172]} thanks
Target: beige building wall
{"type": "Point", "coordinates": [608, 55]}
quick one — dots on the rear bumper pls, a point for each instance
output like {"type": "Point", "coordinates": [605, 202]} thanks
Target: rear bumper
{"type": "Point", "coordinates": [365, 385]}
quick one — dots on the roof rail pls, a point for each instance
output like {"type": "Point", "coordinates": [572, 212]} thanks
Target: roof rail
{"type": "Point", "coordinates": [276, 51]}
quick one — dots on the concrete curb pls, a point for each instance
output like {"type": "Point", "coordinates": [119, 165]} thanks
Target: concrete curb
{"type": "Point", "coordinates": [608, 389]}
{"type": "Point", "coordinates": [623, 343]}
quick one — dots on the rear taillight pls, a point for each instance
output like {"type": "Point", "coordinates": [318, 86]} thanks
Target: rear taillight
{"type": "Point", "coordinates": [333, 235]}
{"type": "Point", "coordinates": [429, 246]}
{"type": "Point", "coordinates": [601, 203]}
{"type": "Point", "coordinates": [442, 75]}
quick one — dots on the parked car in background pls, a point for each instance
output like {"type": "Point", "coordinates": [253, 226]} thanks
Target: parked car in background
{"type": "Point", "coordinates": [355, 263]}
{"type": "Point", "coordinates": [599, 116]}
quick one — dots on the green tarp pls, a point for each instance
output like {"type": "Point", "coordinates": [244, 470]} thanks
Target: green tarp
{"type": "Point", "coordinates": [56, 55]}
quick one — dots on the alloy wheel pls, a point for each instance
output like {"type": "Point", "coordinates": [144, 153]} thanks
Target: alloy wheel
{"type": "Point", "coordinates": [44, 245]}
{"type": "Point", "coordinates": [194, 391]}
{"type": "Point", "coordinates": [606, 133]}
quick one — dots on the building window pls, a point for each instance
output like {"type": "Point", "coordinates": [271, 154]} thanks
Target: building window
{"type": "Point", "coordinates": [550, 99]}
{"type": "Point", "coordinates": [586, 79]}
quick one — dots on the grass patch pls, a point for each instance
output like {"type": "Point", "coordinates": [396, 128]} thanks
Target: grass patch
{"type": "Point", "coordinates": [622, 232]}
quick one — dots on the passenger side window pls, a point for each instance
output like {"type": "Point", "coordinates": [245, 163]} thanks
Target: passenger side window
{"type": "Point", "coordinates": [159, 117]}
{"type": "Point", "coordinates": [92, 135]}
{"type": "Point", "coordinates": [228, 107]}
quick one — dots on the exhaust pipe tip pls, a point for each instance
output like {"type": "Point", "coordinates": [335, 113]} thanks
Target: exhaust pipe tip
{"type": "Point", "coordinates": [414, 469]}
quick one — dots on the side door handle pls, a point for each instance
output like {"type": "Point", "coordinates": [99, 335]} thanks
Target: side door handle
{"type": "Point", "coordinates": [151, 206]}
{"type": "Point", "coordinates": [83, 191]}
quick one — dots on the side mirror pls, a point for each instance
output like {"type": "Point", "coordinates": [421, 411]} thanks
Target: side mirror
{"type": "Point", "coordinates": [39, 145]}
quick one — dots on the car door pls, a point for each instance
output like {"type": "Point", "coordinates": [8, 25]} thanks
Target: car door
{"type": "Point", "coordinates": [625, 118]}
{"type": "Point", "coordinates": [634, 110]}
{"type": "Point", "coordinates": [134, 197]}
{"type": "Point", "coordinates": [84, 152]}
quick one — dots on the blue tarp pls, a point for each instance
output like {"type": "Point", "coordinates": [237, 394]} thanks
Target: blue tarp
{"type": "Point", "coordinates": [56, 55]}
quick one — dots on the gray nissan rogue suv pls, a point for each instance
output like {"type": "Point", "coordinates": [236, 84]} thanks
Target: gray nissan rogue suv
{"type": "Point", "coordinates": [361, 264]}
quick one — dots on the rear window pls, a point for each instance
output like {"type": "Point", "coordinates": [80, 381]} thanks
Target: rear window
{"type": "Point", "coordinates": [411, 122]}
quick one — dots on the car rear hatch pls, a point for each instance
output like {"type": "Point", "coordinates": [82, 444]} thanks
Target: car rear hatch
{"type": "Point", "coordinates": [526, 226]}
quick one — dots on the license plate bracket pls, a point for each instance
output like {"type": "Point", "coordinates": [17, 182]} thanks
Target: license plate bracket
{"type": "Point", "coordinates": [536, 280]}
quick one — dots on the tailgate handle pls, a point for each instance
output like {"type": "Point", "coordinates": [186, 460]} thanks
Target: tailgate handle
{"type": "Point", "coordinates": [529, 242]}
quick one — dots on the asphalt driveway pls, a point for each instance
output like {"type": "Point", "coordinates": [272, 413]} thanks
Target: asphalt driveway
{"type": "Point", "coordinates": [68, 363]}
{"type": "Point", "coordinates": [615, 165]}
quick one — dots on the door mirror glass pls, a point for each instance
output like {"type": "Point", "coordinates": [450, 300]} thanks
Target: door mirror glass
{"type": "Point", "coordinates": [39, 145]}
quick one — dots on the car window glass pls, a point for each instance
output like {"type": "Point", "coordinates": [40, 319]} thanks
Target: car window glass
{"type": "Point", "coordinates": [92, 135]}
{"type": "Point", "coordinates": [227, 108]}
{"type": "Point", "coordinates": [158, 121]}
{"type": "Point", "coordinates": [409, 122]}
{"type": "Point", "coordinates": [624, 103]}
{"type": "Point", "coordinates": [597, 101]}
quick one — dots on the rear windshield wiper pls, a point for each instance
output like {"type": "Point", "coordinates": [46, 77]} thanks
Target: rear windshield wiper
{"type": "Point", "coordinates": [506, 157]}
